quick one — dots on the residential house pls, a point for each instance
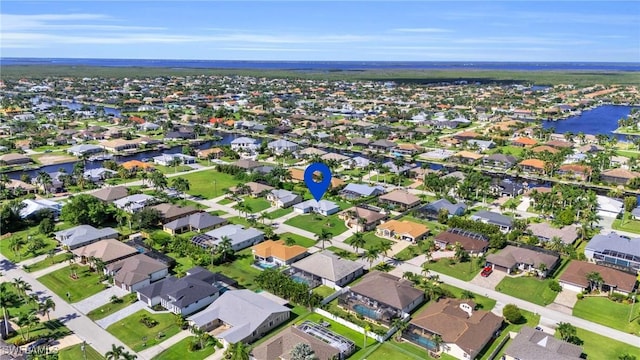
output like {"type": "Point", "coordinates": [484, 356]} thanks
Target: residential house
{"type": "Point", "coordinates": [608, 207]}
{"type": "Point", "coordinates": [500, 161]}
{"type": "Point", "coordinates": [239, 237]}
{"type": "Point", "coordinates": [33, 207]}
{"type": "Point", "coordinates": [400, 200]}
{"type": "Point", "coordinates": [14, 159]}
{"type": "Point", "coordinates": [326, 268]}
{"type": "Point", "coordinates": [364, 142]}
{"type": "Point", "coordinates": [614, 250]}
{"type": "Point", "coordinates": [481, 145]}
{"type": "Point", "coordinates": [533, 344]}
{"type": "Point", "coordinates": [111, 193]}
{"type": "Point", "coordinates": [513, 258]}
{"type": "Point", "coordinates": [247, 164]}
{"type": "Point", "coordinates": [362, 217]}
{"type": "Point", "coordinates": [297, 175]}
{"type": "Point", "coordinates": [575, 171]}
{"type": "Point", "coordinates": [467, 157]}
{"type": "Point", "coordinates": [283, 198]}
{"type": "Point", "coordinates": [213, 153]}
{"type": "Point", "coordinates": [559, 144]}
{"type": "Point", "coordinates": [170, 212]}
{"type": "Point", "coordinates": [382, 145]}
{"type": "Point", "coordinates": [463, 330]}
{"type": "Point", "coordinates": [107, 251]}
{"type": "Point", "coordinates": [489, 217]}
{"type": "Point", "coordinates": [471, 242]}
{"type": "Point", "coordinates": [575, 278]}
{"type": "Point", "coordinates": [134, 203]}
{"type": "Point", "coordinates": [398, 170]}
{"type": "Point", "coordinates": [618, 176]}
{"type": "Point", "coordinates": [322, 207]}
{"type": "Point", "coordinates": [136, 272]}
{"type": "Point", "coordinates": [99, 174]}
{"type": "Point", "coordinates": [84, 149]}
{"type": "Point", "coordinates": [240, 315]}
{"type": "Point", "coordinates": [198, 222]}
{"type": "Point", "coordinates": [81, 235]}
{"type": "Point", "coordinates": [137, 165]}
{"type": "Point", "coordinates": [183, 296]}
{"type": "Point", "coordinates": [357, 162]}
{"type": "Point", "coordinates": [508, 188]}
{"type": "Point", "coordinates": [311, 151]}
{"type": "Point", "coordinates": [356, 191]}
{"type": "Point", "coordinates": [523, 142]}
{"type": "Point", "coordinates": [432, 210]}
{"type": "Point", "coordinates": [544, 149]}
{"type": "Point", "coordinates": [245, 144]}
{"type": "Point", "coordinates": [172, 159]}
{"type": "Point", "coordinates": [409, 149]}
{"type": "Point", "coordinates": [280, 345]}
{"type": "Point", "coordinates": [532, 166]}
{"type": "Point", "coordinates": [335, 157]}
{"type": "Point", "coordinates": [545, 232]}
{"type": "Point", "coordinates": [403, 230]}
{"type": "Point", "coordinates": [118, 145]}
{"type": "Point", "coordinates": [276, 253]}
{"type": "Point", "coordinates": [381, 297]}
{"type": "Point", "coordinates": [179, 135]}
{"type": "Point", "coordinates": [281, 145]}
{"type": "Point", "coordinates": [256, 189]}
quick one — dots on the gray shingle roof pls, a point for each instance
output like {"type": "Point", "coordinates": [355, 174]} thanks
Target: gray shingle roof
{"type": "Point", "coordinates": [327, 265]}
{"type": "Point", "coordinates": [615, 242]}
{"type": "Point", "coordinates": [493, 218]}
{"type": "Point", "coordinates": [531, 344]}
{"type": "Point", "coordinates": [83, 234]}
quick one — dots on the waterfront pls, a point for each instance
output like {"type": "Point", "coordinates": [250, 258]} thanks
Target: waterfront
{"type": "Point", "coordinates": [600, 120]}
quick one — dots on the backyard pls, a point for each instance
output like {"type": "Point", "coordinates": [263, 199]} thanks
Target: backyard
{"type": "Point", "coordinates": [528, 288]}
{"type": "Point", "coordinates": [110, 308]}
{"type": "Point", "coordinates": [240, 269]}
{"type": "Point", "coordinates": [603, 311]}
{"type": "Point", "coordinates": [352, 335]}
{"type": "Point", "coordinates": [209, 183]}
{"type": "Point", "coordinates": [24, 252]}
{"type": "Point", "coordinates": [532, 320]}
{"type": "Point", "coordinates": [483, 302]}
{"type": "Point", "coordinates": [75, 352]}
{"type": "Point", "coordinates": [315, 223]}
{"type": "Point", "coordinates": [601, 347]}
{"type": "Point", "coordinates": [60, 282]}
{"type": "Point", "coordinates": [138, 336]}
{"type": "Point", "coordinates": [256, 204]}
{"type": "Point", "coordinates": [52, 329]}
{"type": "Point", "coordinates": [459, 270]}
{"type": "Point", "coordinates": [372, 241]}
{"type": "Point", "coordinates": [180, 351]}
{"type": "Point", "coordinates": [627, 224]}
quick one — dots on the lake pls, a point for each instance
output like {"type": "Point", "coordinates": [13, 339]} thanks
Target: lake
{"type": "Point", "coordinates": [601, 120]}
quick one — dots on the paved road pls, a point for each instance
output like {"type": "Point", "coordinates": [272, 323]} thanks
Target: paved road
{"type": "Point", "coordinates": [543, 311]}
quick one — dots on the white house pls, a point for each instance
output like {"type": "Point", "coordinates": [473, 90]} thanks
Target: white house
{"type": "Point", "coordinates": [322, 207]}
{"type": "Point", "coordinates": [245, 144]}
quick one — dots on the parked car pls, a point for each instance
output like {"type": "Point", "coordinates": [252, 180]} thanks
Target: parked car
{"type": "Point", "coordinates": [486, 271]}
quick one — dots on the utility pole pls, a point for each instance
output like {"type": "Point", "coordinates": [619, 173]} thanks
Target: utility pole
{"type": "Point", "coordinates": [632, 304]}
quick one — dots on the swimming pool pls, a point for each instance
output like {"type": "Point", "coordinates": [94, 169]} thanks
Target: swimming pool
{"type": "Point", "coordinates": [265, 265]}
{"type": "Point", "coordinates": [422, 341]}
{"type": "Point", "coordinates": [365, 311]}
{"type": "Point", "coordinates": [299, 279]}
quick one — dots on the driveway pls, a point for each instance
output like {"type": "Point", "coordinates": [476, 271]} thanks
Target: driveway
{"type": "Point", "coordinates": [121, 314]}
{"type": "Point", "coordinates": [565, 301]}
{"type": "Point", "coordinates": [490, 281]}
{"type": "Point", "coordinates": [99, 299]}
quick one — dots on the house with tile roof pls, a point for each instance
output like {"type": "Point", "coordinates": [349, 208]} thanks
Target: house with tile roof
{"type": "Point", "coordinates": [280, 346]}
{"type": "Point", "coordinates": [107, 250]}
{"type": "Point", "coordinates": [618, 176]}
{"type": "Point", "coordinates": [574, 278]}
{"type": "Point", "coordinates": [546, 232]}
{"type": "Point", "coordinates": [276, 252]}
{"type": "Point", "coordinates": [136, 272]}
{"type": "Point", "coordinates": [402, 230]}
{"type": "Point", "coordinates": [400, 199]}
{"type": "Point", "coordinates": [523, 142]}
{"type": "Point", "coordinates": [356, 191]}
{"type": "Point", "coordinates": [575, 171]}
{"type": "Point", "coordinates": [467, 157]}
{"type": "Point", "coordinates": [463, 330]}
{"type": "Point", "coordinates": [283, 198]}
{"type": "Point", "coordinates": [532, 344]}
{"type": "Point", "coordinates": [532, 165]}
{"type": "Point", "coordinates": [322, 207]}
{"type": "Point", "coordinates": [362, 218]}
{"type": "Point", "coordinates": [325, 268]}
{"type": "Point", "coordinates": [432, 210]}
{"type": "Point", "coordinates": [198, 222]}
{"type": "Point", "coordinates": [614, 250]}
{"type": "Point", "coordinates": [471, 242]}
{"type": "Point", "coordinates": [513, 258]}
{"type": "Point", "coordinates": [111, 193]}
{"type": "Point", "coordinates": [169, 212]}
{"type": "Point", "coordinates": [81, 235]}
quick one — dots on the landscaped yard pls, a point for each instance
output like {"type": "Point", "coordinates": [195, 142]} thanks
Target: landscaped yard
{"type": "Point", "coordinates": [324, 291]}
{"type": "Point", "coordinates": [16, 304]}
{"type": "Point", "coordinates": [627, 224]}
{"type": "Point", "coordinates": [43, 264]}
{"type": "Point", "coordinates": [226, 201]}
{"type": "Point", "coordinates": [434, 227]}
{"type": "Point", "coordinates": [459, 270]}
{"type": "Point", "coordinates": [209, 183]}
{"type": "Point", "coordinates": [52, 329]}
{"type": "Point", "coordinates": [75, 352]}
{"type": "Point", "coordinates": [483, 302]}
{"type": "Point", "coordinates": [372, 241]}
{"type": "Point", "coordinates": [24, 252]}
{"type": "Point", "coordinates": [180, 351]}
{"type": "Point", "coordinates": [108, 309]}
{"type": "Point", "coordinates": [240, 269]}
{"type": "Point", "coordinates": [532, 320]}
{"type": "Point", "coordinates": [300, 240]}
{"type": "Point", "coordinates": [315, 223]}
{"type": "Point", "coordinates": [138, 336]}
{"type": "Point", "coordinates": [343, 253]}
{"type": "Point", "coordinates": [60, 282]}
{"type": "Point", "coordinates": [279, 213]}
{"type": "Point", "coordinates": [600, 347]}
{"type": "Point", "coordinates": [528, 288]}
{"type": "Point", "coordinates": [603, 311]}
{"type": "Point", "coordinates": [182, 263]}
{"type": "Point", "coordinates": [352, 335]}
{"type": "Point", "coordinates": [256, 204]}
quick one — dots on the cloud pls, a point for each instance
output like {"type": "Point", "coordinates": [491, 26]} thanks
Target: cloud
{"type": "Point", "coordinates": [268, 49]}
{"type": "Point", "coordinates": [64, 22]}
{"type": "Point", "coordinates": [422, 30]}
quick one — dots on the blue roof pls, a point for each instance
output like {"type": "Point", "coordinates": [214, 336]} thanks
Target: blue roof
{"type": "Point", "coordinates": [615, 242]}
{"type": "Point", "coordinates": [362, 189]}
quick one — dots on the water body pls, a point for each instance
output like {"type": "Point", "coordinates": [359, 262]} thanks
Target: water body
{"type": "Point", "coordinates": [601, 120]}
{"type": "Point", "coordinates": [328, 65]}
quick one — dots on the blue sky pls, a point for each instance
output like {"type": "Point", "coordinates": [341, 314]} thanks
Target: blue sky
{"type": "Point", "coordinates": [324, 30]}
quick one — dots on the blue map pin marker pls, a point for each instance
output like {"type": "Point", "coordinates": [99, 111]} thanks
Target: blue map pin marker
{"type": "Point", "coordinates": [317, 189]}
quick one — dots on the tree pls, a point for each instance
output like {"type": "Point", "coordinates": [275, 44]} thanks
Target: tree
{"type": "Point", "coordinates": [46, 227]}
{"type": "Point", "coordinates": [302, 351]}
{"type": "Point", "coordinates": [225, 248]}
{"type": "Point", "coordinates": [147, 218]}
{"type": "Point", "coordinates": [566, 330]}
{"type": "Point", "coordinates": [627, 356]}
{"type": "Point", "coordinates": [158, 180]}
{"type": "Point", "coordinates": [7, 300]}
{"type": "Point", "coordinates": [595, 280]}
{"type": "Point", "coordinates": [358, 241]}
{"type": "Point", "coordinates": [237, 351]}
{"type": "Point", "coordinates": [437, 341]}
{"type": "Point", "coordinates": [371, 255]}
{"type": "Point", "coordinates": [47, 306]}
{"type": "Point", "coordinates": [324, 237]}
{"type": "Point", "coordinates": [180, 184]}
{"type": "Point", "coordinates": [630, 203]}
{"type": "Point", "coordinates": [512, 313]}
{"type": "Point", "coordinates": [115, 353]}
{"type": "Point", "coordinates": [85, 209]}
{"type": "Point", "coordinates": [27, 321]}
{"type": "Point", "coordinates": [385, 247]}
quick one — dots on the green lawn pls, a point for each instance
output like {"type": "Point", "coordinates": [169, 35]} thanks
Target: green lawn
{"type": "Point", "coordinates": [528, 288]}
{"type": "Point", "coordinates": [43, 264]}
{"type": "Point", "coordinates": [75, 352]}
{"type": "Point", "coordinates": [209, 183]}
{"type": "Point", "coordinates": [17, 305]}
{"type": "Point", "coordinates": [53, 329]}
{"type": "Point", "coordinates": [463, 271]}
{"type": "Point", "coordinates": [138, 336]}
{"type": "Point", "coordinates": [225, 201]}
{"type": "Point", "coordinates": [323, 291]}
{"type": "Point", "coordinates": [108, 309]}
{"type": "Point", "coordinates": [627, 224]}
{"type": "Point", "coordinates": [240, 269]}
{"type": "Point", "coordinates": [599, 347]}
{"type": "Point", "coordinates": [180, 351]}
{"type": "Point", "coordinates": [257, 204]}
{"type": "Point", "coordinates": [483, 302]}
{"type": "Point", "coordinates": [434, 227]}
{"type": "Point", "coordinates": [182, 263]}
{"type": "Point", "coordinates": [372, 241]}
{"type": "Point", "coordinates": [388, 351]}
{"type": "Point", "coordinates": [300, 240]}
{"type": "Point", "coordinates": [279, 213]}
{"type": "Point", "coordinates": [508, 150]}
{"type": "Point", "coordinates": [60, 282]}
{"type": "Point", "coordinates": [609, 313]}
{"type": "Point", "coordinates": [171, 169]}
{"type": "Point", "coordinates": [315, 223]}
{"type": "Point", "coordinates": [531, 320]}
{"type": "Point", "coordinates": [24, 252]}
{"type": "Point", "coordinates": [343, 253]}
{"type": "Point", "coordinates": [352, 335]}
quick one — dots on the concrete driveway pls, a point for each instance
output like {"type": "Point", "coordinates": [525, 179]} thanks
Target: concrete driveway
{"type": "Point", "coordinates": [490, 281]}
{"type": "Point", "coordinates": [99, 299]}
{"type": "Point", "coordinates": [121, 314]}
{"type": "Point", "coordinates": [565, 301]}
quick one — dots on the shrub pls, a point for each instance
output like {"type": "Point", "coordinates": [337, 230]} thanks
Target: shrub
{"type": "Point", "coordinates": [617, 297]}
{"type": "Point", "coordinates": [555, 286]}
{"type": "Point", "coordinates": [580, 296]}
{"type": "Point", "coordinates": [512, 314]}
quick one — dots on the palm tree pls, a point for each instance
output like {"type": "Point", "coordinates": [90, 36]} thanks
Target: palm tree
{"type": "Point", "coordinates": [437, 341]}
{"type": "Point", "coordinates": [566, 330]}
{"type": "Point", "coordinates": [47, 306]}
{"type": "Point", "coordinates": [115, 353]}
{"type": "Point", "coordinates": [7, 300]}
{"type": "Point", "coordinates": [237, 351]}
{"type": "Point", "coordinates": [371, 255]}
{"type": "Point", "coordinates": [595, 280]}
{"type": "Point", "coordinates": [158, 180]}
{"type": "Point", "coordinates": [263, 216]}
{"type": "Point", "coordinates": [425, 268]}
{"type": "Point", "coordinates": [180, 184]}
{"type": "Point", "coordinates": [324, 236]}
{"type": "Point", "coordinates": [225, 247]}
{"type": "Point", "coordinates": [384, 248]}
{"type": "Point", "coordinates": [358, 241]}
{"type": "Point", "coordinates": [27, 321]}
{"type": "Point", "coordinates": [128, 356]}
{"type": "Point", "coordinates": [556, 244]}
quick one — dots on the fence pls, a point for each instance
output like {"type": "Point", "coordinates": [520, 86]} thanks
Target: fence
{"type": "Point", "coordinates": [352, 326]}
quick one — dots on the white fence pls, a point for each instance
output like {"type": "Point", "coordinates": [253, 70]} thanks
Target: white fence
{"type": "Point", "coordinates": [355, 327]}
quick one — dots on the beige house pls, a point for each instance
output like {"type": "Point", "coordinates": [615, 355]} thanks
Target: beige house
{"type": "Point", "coordinates": [108, 251]}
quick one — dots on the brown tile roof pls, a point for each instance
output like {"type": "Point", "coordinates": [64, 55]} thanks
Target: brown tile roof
{"type": "Point", "coordinates": [512, 255]}
{"type": "Point", "coordinates": [112, 193]}
{"type": "Point", "coordinates": [298, 175]}
{"type": "Point", "coordinates": [576, 274]}
{"type": "Point", "coordinates": [525, 141]}
{"type": "Point", "coordinates": [469, 155]}
{"type": "Point", "coordinates": [405, 227]}
{"type": "Point", "coordinates": [446, 318]}
{"type": "Point", "coordinates": [400, 196]}
{"type": "Point", "coordinates": [575, 168]}
{"type": "Point", "coordinates": [280, 346]}
{"type": "Point", "coordinates": [370, 216]}
{"type": "Point", "coordinates": [543, 148]}
{"type": "Point", "coordinates": [534, 163]}
{"type": "Point", "coordinates": [388, 289]}
{"type": "Point", "coordinates": [106, 250]}
{"type": "Point", "coordinates": [170, 211]}
{"type": "Point", "coordinates": [470, 242]}
{"type": "Point", "coordinates": [278, 250]}
{"type": "Point", "coordinates": [621, 173]}
{"type": "Point", "coordinates": [132, 164]}
{"type": "Point", "coordinates": [560, 144]}
{"type": "Point", "coordinates": [135, 269]}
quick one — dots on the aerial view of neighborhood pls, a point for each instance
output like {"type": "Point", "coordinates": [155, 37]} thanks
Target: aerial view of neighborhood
{"type": "Point", "coordinates": [329, 210]}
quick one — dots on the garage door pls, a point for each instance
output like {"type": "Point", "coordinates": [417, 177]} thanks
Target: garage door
{"type": "Point", "coordinates": [607, 214]}
{"type": "Point", "coordinates": [570, 287]}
